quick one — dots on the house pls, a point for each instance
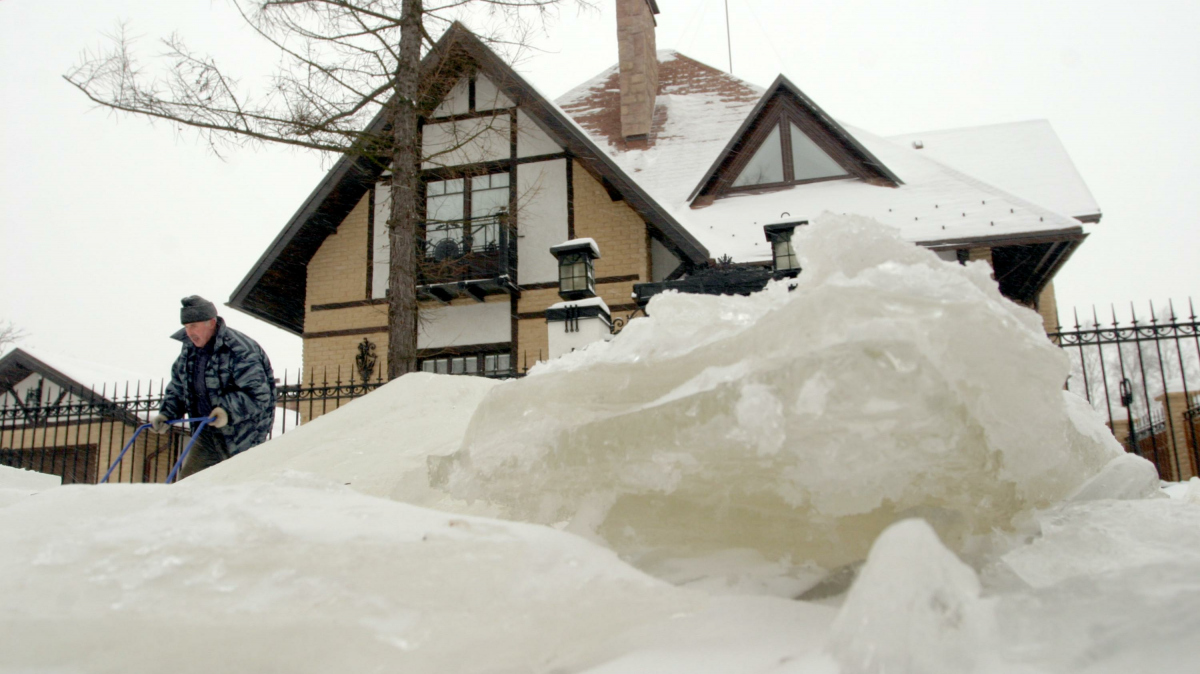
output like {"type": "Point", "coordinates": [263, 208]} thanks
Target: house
{"type": "Point", "coordinates": [546, 223]}
{"type": "Point", "coordinates": [51, 422]}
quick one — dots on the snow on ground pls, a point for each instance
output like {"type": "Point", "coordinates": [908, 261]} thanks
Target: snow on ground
{"type": "Point", "coordinates": [908, 440]}
{"type": "Point", "coordinates": [377, 445]}
{"type": "Point", "coordinates": [17, 484]}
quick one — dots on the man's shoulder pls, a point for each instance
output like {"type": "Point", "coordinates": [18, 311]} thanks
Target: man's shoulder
{"type": "Point", "coordinates": [240, 340]}
{"type": "Point", "coordinates": [242, 348]}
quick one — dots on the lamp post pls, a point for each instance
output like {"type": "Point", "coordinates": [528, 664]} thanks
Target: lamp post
{"type": "Point", "coordinates": [783, 255]}
{"type": "Point", "coordinates": [1127, 403]}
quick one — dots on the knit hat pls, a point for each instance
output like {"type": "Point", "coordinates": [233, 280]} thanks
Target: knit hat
{"type": "Point", "coordinates": [196, 309]}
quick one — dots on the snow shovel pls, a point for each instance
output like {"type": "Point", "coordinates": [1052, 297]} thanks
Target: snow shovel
{"type": "Point", "coordinates": [202, 422]}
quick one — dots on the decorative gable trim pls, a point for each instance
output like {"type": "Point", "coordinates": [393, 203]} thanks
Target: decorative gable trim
{"type": "Point", "coordinates": [783, 100]}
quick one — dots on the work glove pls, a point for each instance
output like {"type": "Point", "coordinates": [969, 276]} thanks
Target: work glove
{"type": "Point", "coordinates": [158, 424]}
{"type": "Point", "coordinates": [220, 418]}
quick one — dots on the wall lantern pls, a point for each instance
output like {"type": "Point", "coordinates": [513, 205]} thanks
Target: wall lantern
{"type": "Point", "coordinates": [576, 274]}
{"type": "Point", "coordinates": [779, 236]}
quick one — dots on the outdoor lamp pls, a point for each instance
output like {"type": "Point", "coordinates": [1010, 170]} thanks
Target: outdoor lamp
{"type": "Point", "coordinates": [784, 256]}
{"type": "Point", "coordinates": [576, 273]}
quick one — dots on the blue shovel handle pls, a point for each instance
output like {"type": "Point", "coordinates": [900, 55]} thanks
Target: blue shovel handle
{"type": "Point", "coordinates": [203, 422]}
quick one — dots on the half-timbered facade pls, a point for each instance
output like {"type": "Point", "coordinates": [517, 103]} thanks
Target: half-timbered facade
{"type": "Point", "coordinates": [640, 177]}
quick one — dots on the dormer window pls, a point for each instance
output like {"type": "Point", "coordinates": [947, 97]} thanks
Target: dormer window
{"type": "Point", "coordinates": [576, 273]}
{"type": "Point", "coordinates": [787, 140]}
{"type": "Point", "coordinates": [785, 156]}
{"type": "Point", "coordinates": [780, 237]}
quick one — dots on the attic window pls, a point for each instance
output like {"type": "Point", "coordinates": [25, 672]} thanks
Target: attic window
{"type": "Point", "coordinates": [786, 155]}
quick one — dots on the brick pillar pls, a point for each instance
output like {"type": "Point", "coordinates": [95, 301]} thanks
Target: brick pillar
{"type": "Point", "coordinates": [1047, 306]}
{"type": "Point", "coordinates": [638, 64]}
{"type": "Point", "coordinates": [1176, 430]}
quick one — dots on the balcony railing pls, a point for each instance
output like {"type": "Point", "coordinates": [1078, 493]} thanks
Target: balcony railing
{"type": "Point", "coordinates": [476, 257]}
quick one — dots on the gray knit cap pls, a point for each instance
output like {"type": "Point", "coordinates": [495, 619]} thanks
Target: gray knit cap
{"type": "Point", "coordinates": [196, 309]}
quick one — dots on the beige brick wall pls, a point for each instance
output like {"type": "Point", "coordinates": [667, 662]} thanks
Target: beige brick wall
{"type": "Point", "coordinates": [1047, 307]}
{"type": "Point", "coordinates": [532, 340]}
{"type": "Point", "coordinates": [338, 272]}
{"type": "Point", "coordinates": [981, 254]}
{"type": "Point", "coordinates": [618, 230]}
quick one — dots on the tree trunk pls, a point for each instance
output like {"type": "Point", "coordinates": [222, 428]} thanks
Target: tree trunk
{"type": "Point", "coordinates": [402, 225]}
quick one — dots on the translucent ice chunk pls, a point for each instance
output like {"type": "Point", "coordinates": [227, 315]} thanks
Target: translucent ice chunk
{"type": "Point", "coordinates": [799, 423]}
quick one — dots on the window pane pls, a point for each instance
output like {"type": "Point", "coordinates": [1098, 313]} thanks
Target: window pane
{"type": "Point", "coordinates": [489, 200]}
{"type": "Point", "coordinates": [785, 256]}
{"type": "Point", "coordinates": [489, 364]}
{"type": "Point", "coordinates": [503, 362]}
{"type": "Point", "coordinates": [444, 208]}
{"type": "Point", "coordinates": [573, 273]}
{"type": "Point", "coordinates": [810, 161]}
{"type": "Point", "coordinates": [427, 366]}
{"type": "Point", "coordinates": [443, 366]}
{"type": "Point", "coordinates": [472, 364]}
{"type": "Point", "coordinates": [766, 166]}
{"type": "Point", "coordinates": [460, 365]}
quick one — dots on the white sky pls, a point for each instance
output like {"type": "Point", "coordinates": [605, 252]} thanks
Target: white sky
{"type": "Point", "coordinates": [105, 222]}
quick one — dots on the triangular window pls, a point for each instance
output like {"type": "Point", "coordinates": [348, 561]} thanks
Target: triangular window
{"type": "Point", "coordinates": [810, 162]}
{"type": "Point", "coordinates": [786, 155]}
{"type": "Point", "coordinates": [766, 166]}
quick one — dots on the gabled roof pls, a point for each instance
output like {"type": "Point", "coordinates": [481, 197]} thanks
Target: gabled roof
{"type": "Point", "coordinates": [71, 373]}
{"type": "Point", "coordinates": [18, 365]}
{"type": "Point", "coordinates": [702, 112]}
{"type": "Point", "coordinates": [274, 288]}
{"type": "Point", "coordinates": [782, 87]}
{"type": "Point", "coordinates": [1024, 158]}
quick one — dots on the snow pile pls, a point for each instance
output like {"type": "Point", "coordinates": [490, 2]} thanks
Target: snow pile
{"type": "Point", "coordinates": [1107, 587]}
{"type": "Point", "coordinates": [892, 404]}
{"type": "Point", "coordinates": [17, 484]}
{"type": "Point", "coordinates": [377, 445]}
{"type": "Point", "coordinates": [262, 577]}
{"type": "Point", "coordinates": [914, 608]}
{"type": "Point", "coordinates": [798, 424]}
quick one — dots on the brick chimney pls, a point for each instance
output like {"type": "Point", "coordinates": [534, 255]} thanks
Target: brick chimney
{"type": "Point", "coordinates": [639, 65]}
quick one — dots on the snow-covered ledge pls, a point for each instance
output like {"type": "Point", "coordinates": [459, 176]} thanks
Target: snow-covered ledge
{"type": "Point", "coordinates": [576, 323]}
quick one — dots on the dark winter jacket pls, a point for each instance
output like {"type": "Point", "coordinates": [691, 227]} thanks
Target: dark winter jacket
{"type": "Point", "coordinates": [239, 380]}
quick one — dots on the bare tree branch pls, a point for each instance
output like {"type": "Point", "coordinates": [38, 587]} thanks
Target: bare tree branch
{"type": "Point", "coordinates": [341, 63]}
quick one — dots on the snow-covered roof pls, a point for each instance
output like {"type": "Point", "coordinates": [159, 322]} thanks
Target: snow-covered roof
{"type": "Point", "coordinates": [74, 371]}
{"type": "Point", "coordinates": [700, 108]}
{"type": "Point", "coordinates": [1025, 158]}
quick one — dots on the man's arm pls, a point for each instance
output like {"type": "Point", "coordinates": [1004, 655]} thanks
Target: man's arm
{"type": "Point", "coordinates": [174, 403]}
{"type": "Point", "coordinates": [252, 395]}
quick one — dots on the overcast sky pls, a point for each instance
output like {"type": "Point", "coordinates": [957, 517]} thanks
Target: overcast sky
{"type": "Point", "coordinates": [105, 221]}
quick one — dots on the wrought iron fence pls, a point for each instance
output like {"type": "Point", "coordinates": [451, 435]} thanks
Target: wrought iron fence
{"type": "Point", "coordinates": [1144, 375]}
{"type": "Point", "coordinates": [77, 433]}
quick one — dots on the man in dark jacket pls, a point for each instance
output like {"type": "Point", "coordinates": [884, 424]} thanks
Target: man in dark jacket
{"type": "Point", "coordinates": [220, 373]}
